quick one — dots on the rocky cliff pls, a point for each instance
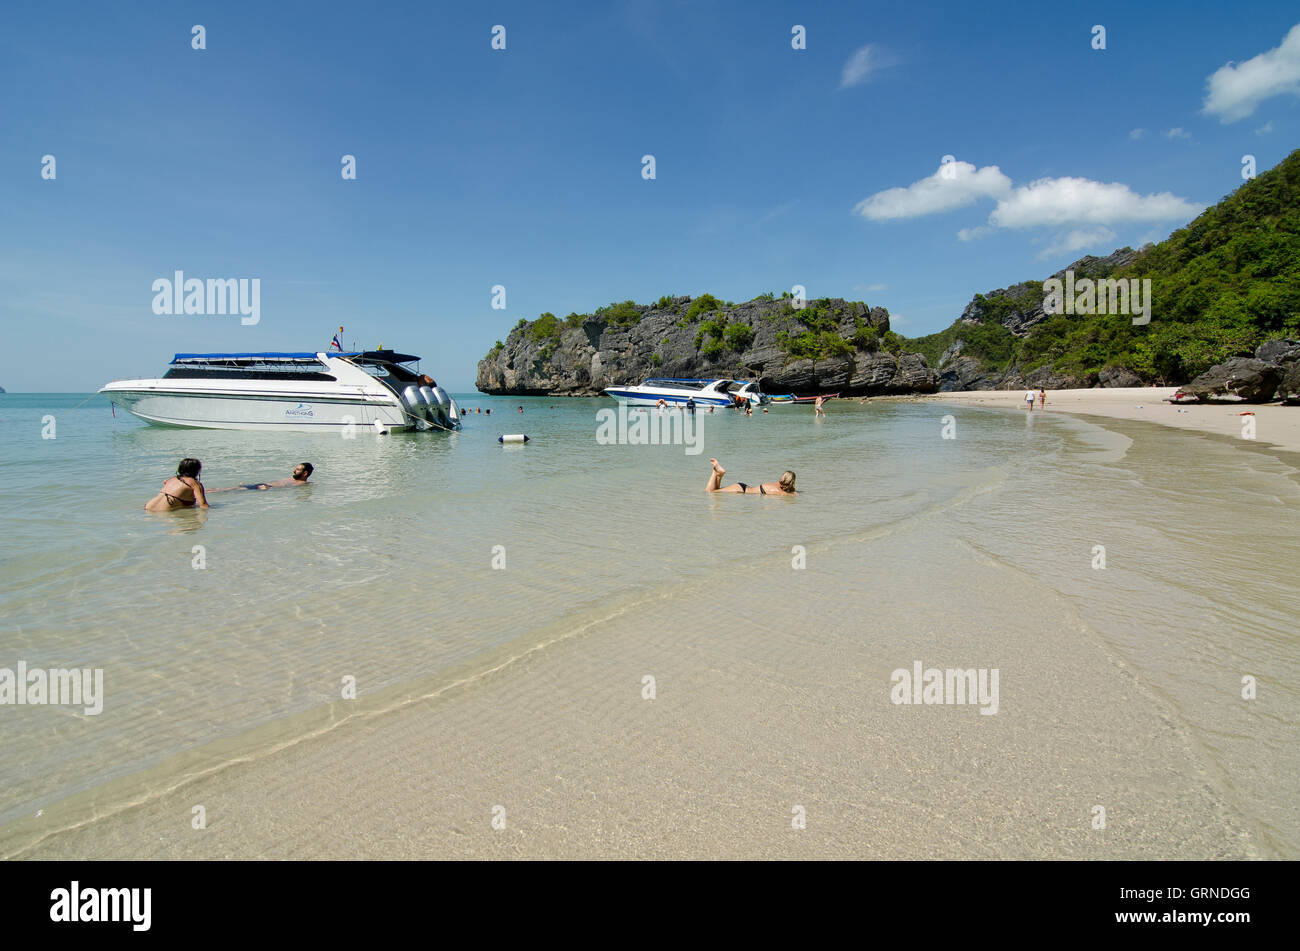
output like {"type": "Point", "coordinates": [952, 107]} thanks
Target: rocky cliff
{"type": "Point", "coordinates": [830, 345]}
{"type": "Point", "coordinates": [1019, 309]}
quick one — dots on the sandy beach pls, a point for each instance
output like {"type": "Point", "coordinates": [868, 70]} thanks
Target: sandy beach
{"type": "Point", "coordinates": [558, 740]}
{"type": "Point", "coordinates": [1275, 425]}
{"type": "Point", "coordinates": [520, 696]}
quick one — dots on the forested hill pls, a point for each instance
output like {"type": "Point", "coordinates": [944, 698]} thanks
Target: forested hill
{"type": "Point", "coordinates": [1221, 286]}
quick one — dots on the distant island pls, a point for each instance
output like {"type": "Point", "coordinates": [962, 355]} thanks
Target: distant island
{"type": "Point", "coordinates": [827, 345]}
{"type": "Point", "coordinates": [2, 389]}
{"type": "Point", "coordinates": [1224, 319]}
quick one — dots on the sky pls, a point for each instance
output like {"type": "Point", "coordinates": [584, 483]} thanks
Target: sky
{"type": "Point", "coordinates": [909, 155]}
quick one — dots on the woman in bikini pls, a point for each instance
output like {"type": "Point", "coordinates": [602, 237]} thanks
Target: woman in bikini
{"type": "Point", "coordinates": [783, 486]}
{"type": "Point", "coordinates": [181, 491]}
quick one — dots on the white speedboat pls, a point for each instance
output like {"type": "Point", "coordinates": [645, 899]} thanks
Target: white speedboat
{"type": "Point", "coordinates": [303, 392]}
{"type": "Point", "coordinates": [677, 392]}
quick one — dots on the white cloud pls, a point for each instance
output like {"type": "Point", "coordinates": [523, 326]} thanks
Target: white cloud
{"type": "Point", "coordinates": [1178, 132]}
{"type": "Point", "coordinates": [1136, 133]}
{"type": "Point", "coordinates": [1078, 240]}
{"type": "Point", "coordinates": [865, 61]}
{"type": "Point", "coordinates": [870, 288]}
{"type": "Point", "coordinates": [951, 186]}
{"type": "Point", "coordinates": [1265, 129]}
{"type": "Point", "coordinates": [1061, 202]}
{"type": "Point", "coordinates": [970, 234]}
{"type": "Point", "coordinates": [1234, 91]}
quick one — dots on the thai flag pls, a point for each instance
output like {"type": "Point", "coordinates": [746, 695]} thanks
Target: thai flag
{"type": "Point", "coordinates": [336, 343]}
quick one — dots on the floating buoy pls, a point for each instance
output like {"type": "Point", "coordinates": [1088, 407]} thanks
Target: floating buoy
{"type": "Point", "coordinates": [518, 437]}
{"type": "Point", "coordinates": [379, 428]}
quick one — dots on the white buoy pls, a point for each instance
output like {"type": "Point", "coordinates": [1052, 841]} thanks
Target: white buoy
{"type": "Point", "coordinates": [379, 428]}
{"type": "Point", "coordinates": [518, 437]}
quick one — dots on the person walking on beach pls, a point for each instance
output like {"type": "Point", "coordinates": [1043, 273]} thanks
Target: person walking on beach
{"type": "Point", "coordinates": [181, 491]}
{"type": "Point", "coordinates": [783, 486]}
{"type": "Point", "coordinates": [1042, 397]}
{"type": "Point", "coordinates": [1029, 398]}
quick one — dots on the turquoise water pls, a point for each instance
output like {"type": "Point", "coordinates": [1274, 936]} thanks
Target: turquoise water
{"type": "Point", "coordinates": [382, 568]}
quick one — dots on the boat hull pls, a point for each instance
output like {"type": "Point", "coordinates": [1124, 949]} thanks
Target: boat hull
{"type": "Point", "coordinates": [304, 412]}
{"type": "Point", "coordinates": [672, 399]}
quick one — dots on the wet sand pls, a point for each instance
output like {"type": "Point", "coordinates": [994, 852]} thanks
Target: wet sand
{"type": "Point", "coordinates": [772, 692]}
{"type": "Point", "coordinates": [1275, 425]}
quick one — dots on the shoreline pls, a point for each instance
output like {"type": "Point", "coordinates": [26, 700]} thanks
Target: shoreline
{"type": "Point", "coordinates": [1277, 427]}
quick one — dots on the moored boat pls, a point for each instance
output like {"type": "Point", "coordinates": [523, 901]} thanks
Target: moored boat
{"type": "Point", "coordinates": [675, 392]}
{"type": "Point", "coordinates": [303, 392]}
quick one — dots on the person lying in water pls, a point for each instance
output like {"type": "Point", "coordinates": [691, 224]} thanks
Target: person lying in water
{"type": "Point", "coordinates": [181, 491]}
{"type": "Point", "coordinates": [301, 473]}
{"type": "Point", "coordinates": [783, 486]}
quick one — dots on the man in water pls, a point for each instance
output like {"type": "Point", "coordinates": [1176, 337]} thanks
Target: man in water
{"type": "Point", "coordinates": [690, 405]}
{"type": "Point", "coordinates": [301, 473]}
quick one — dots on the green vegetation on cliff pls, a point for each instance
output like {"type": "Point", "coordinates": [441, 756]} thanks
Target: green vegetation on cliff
{"type": "Point", "coordinates": [1220, 286]}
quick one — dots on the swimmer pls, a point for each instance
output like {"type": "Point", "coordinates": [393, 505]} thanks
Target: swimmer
{"type": "Point", "coordinates": [301, 473]}
{"type": "Point", "coordinates": [783, 486]}
{"type": "Point", "coordinates": [181, 491]}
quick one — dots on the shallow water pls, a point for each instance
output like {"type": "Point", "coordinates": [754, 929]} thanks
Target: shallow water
{"type": "Point", "coordinates": [382, 569]}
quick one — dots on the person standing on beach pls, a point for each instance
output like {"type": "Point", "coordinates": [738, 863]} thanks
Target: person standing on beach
{"type": "Point", "coordinates": [1042, 398]}
{"type": "Point", "coordinates": [1029, 399]}
{"type": "Point", "coordinates": [181, 491]}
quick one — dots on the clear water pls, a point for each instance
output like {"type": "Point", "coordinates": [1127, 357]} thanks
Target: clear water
{"type": "Point", "coordinates": [382, 568]}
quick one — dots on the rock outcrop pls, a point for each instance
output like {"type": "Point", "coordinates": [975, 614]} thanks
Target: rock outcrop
{"type": "Point", "coordinates": [1290, 388]}
{"type": "Point", "coordinates": [580, 356]}
{"type": "Point", "coordinates": [1248, 379]}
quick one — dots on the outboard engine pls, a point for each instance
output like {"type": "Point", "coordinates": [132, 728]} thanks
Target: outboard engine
{"type": "Point", "coordinates": [413, 402]}
{"type": "Point", "coordinates": [454, 414]}
{"type": "Point", "coordinates": [433, 409]}
{"type": "Point", "coordinates": [444, 401]}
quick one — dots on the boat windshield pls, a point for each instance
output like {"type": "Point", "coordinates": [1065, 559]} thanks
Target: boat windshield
{"type": "Point", "coordinates": [250, 366]}
{"type": "Point", "coordinates": [401, 371]}
{"type": "Point", "coordinates": [693, 386]}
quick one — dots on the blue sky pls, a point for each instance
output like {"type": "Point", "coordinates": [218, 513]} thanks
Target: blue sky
{"type": "Point", "coordinates": [522, 167]}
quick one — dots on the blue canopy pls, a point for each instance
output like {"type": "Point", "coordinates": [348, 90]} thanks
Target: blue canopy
{"type": "Point", "coordinates": [254, 356]}
{"type": "Point", "coordinates": [386, 355]}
